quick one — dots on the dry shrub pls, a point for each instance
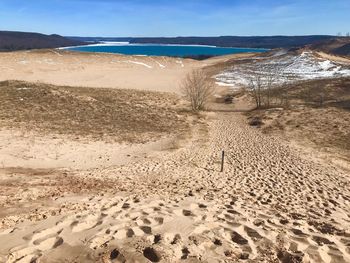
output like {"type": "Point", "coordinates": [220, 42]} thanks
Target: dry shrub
{"type": "Point", "coordinates": [256, 121]}
{"type": "Point", "coordinates": [264, 87]}
{"type": "Point", "coordinates": [197, 89]}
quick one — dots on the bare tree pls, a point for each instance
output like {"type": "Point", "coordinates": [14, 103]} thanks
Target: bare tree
{"type": "Point", "coordinates": [255, 87]}
{"type": "Point", "coordinates": [270, 82]}
{"type": "Point", "coordinates": [197, 89]}
{"type": "Point", "coordinates": [262, 85]}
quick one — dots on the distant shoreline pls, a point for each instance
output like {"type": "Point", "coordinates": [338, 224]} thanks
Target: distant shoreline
{"type": "Point", "coordinates": [112, 43]}
{"type": "Point", "coordinates": [268, 42]}
{"type": "Point", "coordinates": [198, 52]}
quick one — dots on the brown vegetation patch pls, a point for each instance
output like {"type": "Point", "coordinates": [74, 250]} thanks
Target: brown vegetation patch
{"type": "Point", "coordinates": [255, 121]}
{"type": "Point", "coordinates": [325, 127]}
{"type": "Point", "coordinates": [317, 115]}
{"type": "Point", "coordinates": [110, 114]}
{"type": "Point", "coordinates": [322, 92]}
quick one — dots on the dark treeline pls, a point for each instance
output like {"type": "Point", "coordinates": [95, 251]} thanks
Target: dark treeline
{"type": "Point", "coordinates": [223, 41]}
{"type": "Point", "coordinates": [234, 41]}
{"type": "Point", "coordinates": [338, 46]}
{"type": "Point", "coordinates": [343, 50]}
{"type": "Point", "coordinates": [11, 41]}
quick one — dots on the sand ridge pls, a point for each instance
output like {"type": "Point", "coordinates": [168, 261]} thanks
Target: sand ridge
{"type": "Point", "coordinates": [95, 70]}
{"type": "Point", "coordinates": [68, 68]}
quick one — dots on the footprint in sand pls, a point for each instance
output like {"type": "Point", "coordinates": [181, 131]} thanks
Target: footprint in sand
{"type": "Point", "coordinates": [238, 239]}
{"type": "Point", "coordinates": [253, 234]}
{"type": "Point", "coordinates": [31, 253]}
{"type": "Point", "coordinates": [116, 256]}
{"type": "Point", "coordinates": [151, 254]}
{"type": "Point", "coordinates": [85, 223]}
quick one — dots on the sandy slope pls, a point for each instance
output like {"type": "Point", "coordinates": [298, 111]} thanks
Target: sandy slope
{"type": "Point", "coordinates": [333, 57]}
{"type": "Point", "coordinates": [29, 150]}
{"type": "Point", "coordinates": [61, 67]}
{"type": "Point", "coordinates": [271, 202]}
{"type": "Point", "coordinates": [45, 126]}
{"type": "Point", "coordinates": [95, 70]}
{"type": "Point", "coordinates": [102, 70]}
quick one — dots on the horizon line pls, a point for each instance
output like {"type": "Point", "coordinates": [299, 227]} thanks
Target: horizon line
{"type": "Point", "coordinates": [179, 36]}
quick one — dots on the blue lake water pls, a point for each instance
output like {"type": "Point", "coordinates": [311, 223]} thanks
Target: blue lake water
{"type": "Point", "coordinates": [164, 50]}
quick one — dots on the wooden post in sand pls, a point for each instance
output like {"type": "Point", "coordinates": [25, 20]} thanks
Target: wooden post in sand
{"type": "Point", "coordinates": [222, 161]}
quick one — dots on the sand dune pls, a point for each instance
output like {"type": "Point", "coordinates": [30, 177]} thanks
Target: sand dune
{"type": "Point", "coordinates": [96, 70]}
{"type": "Point", "coordinates": [59, 67]}
{"type": "Point", "coordinates": [83, 196]}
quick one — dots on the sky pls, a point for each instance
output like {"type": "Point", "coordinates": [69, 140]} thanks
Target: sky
{"type": "Point", "coordinates": [139, 18]}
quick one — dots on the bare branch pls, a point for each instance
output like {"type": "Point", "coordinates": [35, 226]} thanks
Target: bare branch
{"type": "Point", "coordinates": [197, 89]}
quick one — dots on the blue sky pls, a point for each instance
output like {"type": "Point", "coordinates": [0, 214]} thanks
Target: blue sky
{"type": "Point", "coordinates": [176, 17]}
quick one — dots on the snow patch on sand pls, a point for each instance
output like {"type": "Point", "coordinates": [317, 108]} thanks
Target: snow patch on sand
{"type": "Point", "coordinates": [23, 62]}
{"type": "Point", "coordinates": [140, 63]}
{"type": "Point", "coordinates": [287, 67]}
{"type": "Point", "coordinates": [180, 62]}
{"type": "Point", "coordinates": [57, 53]}
{"type": "Point", "coordinates": [160, 64]}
